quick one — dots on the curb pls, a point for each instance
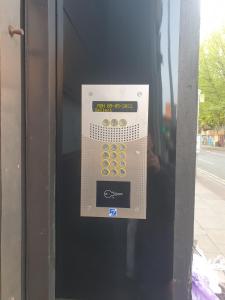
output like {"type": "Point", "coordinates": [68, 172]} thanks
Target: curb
{"type": "Point", "coordinates": [213, 148]}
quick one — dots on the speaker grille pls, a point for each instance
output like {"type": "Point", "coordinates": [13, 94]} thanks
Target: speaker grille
{"type": "Point", "coordinates": [114, 134]}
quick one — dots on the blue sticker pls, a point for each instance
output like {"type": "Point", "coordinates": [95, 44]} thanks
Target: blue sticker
{"type": "Point", "coordinates": [112, 212]}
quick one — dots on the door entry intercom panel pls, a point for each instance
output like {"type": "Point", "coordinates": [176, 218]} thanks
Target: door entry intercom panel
{"type": "Point", "coordinates": [114, 151]}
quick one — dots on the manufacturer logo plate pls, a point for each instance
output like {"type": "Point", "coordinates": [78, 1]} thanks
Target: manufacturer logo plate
{"type": "Point", "coordinates": [112, 212]}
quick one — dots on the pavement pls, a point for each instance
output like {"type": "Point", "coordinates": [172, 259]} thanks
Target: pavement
{"type": "Point", "coordinates": [210, 202]}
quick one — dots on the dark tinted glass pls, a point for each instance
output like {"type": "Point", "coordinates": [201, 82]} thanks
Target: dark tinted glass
{"type": "Point", "coordinates": [116, 42]}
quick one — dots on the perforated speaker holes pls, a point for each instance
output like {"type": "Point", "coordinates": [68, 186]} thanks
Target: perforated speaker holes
{"type": "Point", "coordinates": [114, 134]}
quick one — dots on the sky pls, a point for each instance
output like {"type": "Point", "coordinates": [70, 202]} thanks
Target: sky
{"type": "Point", "coordinates": [212, 16]}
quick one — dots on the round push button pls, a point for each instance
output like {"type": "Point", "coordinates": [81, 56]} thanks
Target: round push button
{"type": "Point", "coordinates": [122, 164]}
{"type": "Point", "coordinates": [113, 172]}
{"type": "Point", "coordinates": [122, 155]}
{"type": "Point", "coordinates": [122, 147]}
{"type": "Point", "coordinates": [105, 163]}
{"type": "Point", "coordinates": [105, 122]}
{"type": "Point", "coordinates": [114, 122]}
{"type": "Point", "coordinates": [122, 172]}
{"type": "Point", "coordinates": [114, 147]}
{"type": "Point", "coordinates": [105, 155]}
{"type": "Point", "coordinates": [123, 122]}
{"type": "Point", "coordinates": [113, 155]}
{"type": "Point", "coordinates": [105, 172]}
{"type": "Point", "coordinates": [105, 147]}
{"type": "Point", "coordinates": [113, 163]}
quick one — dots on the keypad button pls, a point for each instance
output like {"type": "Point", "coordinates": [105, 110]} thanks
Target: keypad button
{"type": "Point", "coordinates": [105, 155]}
{"type": "Point", "coordinates": [105, 163]}
{"type": "Point", "coordinates": [122, 164]}
{"type": "Point", "coordinates": [113, 172]}
{"type": "Point", "coordinates": [105, 147]}
{"type": "Point", "coordinates": [123, 122]}
{"type": "Point", "coordinates": [114, 122]}
{"type": "Point", "coordinates": [122, 155]}
{"type": "Point", "coordinates": [114, 147]}
{"type": "Point", "coordinates": [105, 172]}
{"type": "Point", "coordinates": [113, 163]}
{"type": "Point", "coordinates": [105, 122]}
{"type": "Point", "coordinates": [122, 147]}
{"type": "Point", "coordinates": [122, 172]}
{"type": "Point", "coordinates": [113, 155]}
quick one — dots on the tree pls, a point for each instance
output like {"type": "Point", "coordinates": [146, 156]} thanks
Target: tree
{"type": "Point", "coordinates": [212, 81]}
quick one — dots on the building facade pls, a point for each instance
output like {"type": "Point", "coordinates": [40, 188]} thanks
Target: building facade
{"type": "Point", "coordinates": [49, 50]}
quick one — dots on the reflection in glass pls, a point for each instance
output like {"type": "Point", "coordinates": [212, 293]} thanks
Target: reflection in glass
{"type": "Point", "coordinates": [117, 42]}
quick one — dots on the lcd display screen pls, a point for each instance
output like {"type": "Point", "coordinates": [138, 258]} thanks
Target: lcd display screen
{"type": "Point", "coordinates": [114, 106]}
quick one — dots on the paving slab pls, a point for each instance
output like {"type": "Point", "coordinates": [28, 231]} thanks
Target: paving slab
{"type": "Point", "coordinates": [209, 229]}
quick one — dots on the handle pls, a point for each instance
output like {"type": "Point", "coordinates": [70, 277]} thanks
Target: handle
{"type": "Point", "coordinates": [13, 30]}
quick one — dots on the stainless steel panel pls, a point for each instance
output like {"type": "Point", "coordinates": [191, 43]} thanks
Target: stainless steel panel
{"type": "Point", "coordinates": [136, 174]}
{"type": "Point", "coordinates": [132, 137]}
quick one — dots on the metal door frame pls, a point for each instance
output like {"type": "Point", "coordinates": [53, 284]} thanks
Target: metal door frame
{"type": "Point", "coordinates": [186, 147]}
{"type": "Point", "coordinates": [40, 69]}
{"type": "Point", "coordinates": [40, 45]}
{"type": "Point", "coordinates": [12, 166]}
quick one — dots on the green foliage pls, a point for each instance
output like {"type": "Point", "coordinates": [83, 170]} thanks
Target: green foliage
{"type": "Point", "coordinates": [212, 81]}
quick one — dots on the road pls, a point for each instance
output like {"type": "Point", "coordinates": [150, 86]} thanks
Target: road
{"type": "Point", "coordinates": [211, 170]}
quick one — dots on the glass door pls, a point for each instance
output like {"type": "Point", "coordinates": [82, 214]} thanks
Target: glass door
{"type": "Point", "coordinates": [116, 43]}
